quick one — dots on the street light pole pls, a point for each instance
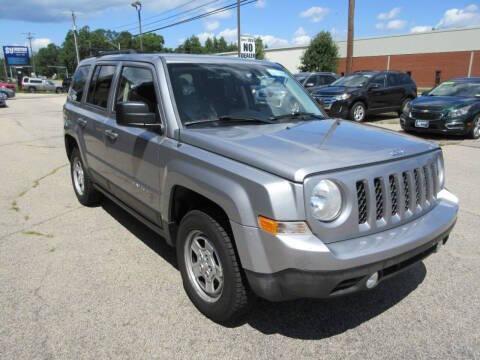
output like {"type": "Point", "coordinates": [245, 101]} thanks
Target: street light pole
{"type": "Point", "coordinates": [75, 37]}
{"type": "Point", "coordinates": [351, 18]}
{"type": "Point", "coordinates": [138, 6]}
{"type": "Point", "coordinates": [238, 28]}
{"type": "Point", "coordinates": [29, 38]}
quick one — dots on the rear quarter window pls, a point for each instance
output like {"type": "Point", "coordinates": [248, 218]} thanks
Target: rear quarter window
{"type": "Point", "coordinates": [78, 83]}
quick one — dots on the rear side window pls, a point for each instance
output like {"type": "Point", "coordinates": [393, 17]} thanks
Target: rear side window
{"type": "Point", "coordinates": [379, 79]}
{"type": "Point", "coordinates": [78, 83]}
{"type": "Point", "coordinates": [35, 81]}
{"type": "Point", "coordinates": [100, 85]}
{"type": "Point", "coordinates": [136, 84]}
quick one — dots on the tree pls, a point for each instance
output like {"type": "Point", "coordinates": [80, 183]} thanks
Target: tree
{"type": "Point", "coordinates": [259, 49]}
{"type": "Point", "coordinates": [48, 56]}
{"type": "Point", "coordinates": [151, 42]}
{"type": "Point", "coordinates": [192, 45]}
{"type": "Point", "coordinates": [321, 54]}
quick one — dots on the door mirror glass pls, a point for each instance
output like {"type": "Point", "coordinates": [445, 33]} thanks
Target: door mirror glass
{"type": "Point", "coordinates": [135, 113]}
{"type": "Point", "coordinates": [310, 84]}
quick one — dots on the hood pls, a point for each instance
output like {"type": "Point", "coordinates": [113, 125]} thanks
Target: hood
{"type": "Point", "coordinates": [440, 102]}
{"type": "Point", "coordinates": [294, 151]}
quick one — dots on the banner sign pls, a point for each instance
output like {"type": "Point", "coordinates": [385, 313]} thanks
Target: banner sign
{"type": "Point", "coordinates": [247, 47]}
{"type": "Point", "coordinates": [16, 55]}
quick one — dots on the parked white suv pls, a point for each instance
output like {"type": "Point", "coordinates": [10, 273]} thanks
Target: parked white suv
{"type": "Point", "coordinates": [36, 84]}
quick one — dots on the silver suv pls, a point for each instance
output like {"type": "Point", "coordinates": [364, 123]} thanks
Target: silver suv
{"type": "Point", "coordinates": [234, 164]}
{"type": "Point", "coordinates": [34, 84]}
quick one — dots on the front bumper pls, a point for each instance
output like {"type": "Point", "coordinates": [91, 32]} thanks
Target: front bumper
{"type": "Point", "coordinates": [288, 267]}
{"type": "Point", "coordinates": [460, 126]}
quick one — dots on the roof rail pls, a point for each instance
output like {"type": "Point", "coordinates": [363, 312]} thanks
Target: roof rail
{"type": "Point", "coordinates": [116, 52]}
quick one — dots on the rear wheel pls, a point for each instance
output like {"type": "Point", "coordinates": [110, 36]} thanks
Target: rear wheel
{"type": "Point", "coordinates": [31, 89]}
{"type": "Point", "coordinates": [358, 112]}
{"type": "Point", "coordinates": [404, 103]}
{"type": "Point", "coordinates": [475, 131]}
{"type": "Point", "coordinates": [211, 273]}
{"type": "Point", "coordinates": [82, 183]}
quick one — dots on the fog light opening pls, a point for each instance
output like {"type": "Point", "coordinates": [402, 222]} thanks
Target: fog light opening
{"type": "Point", "coordinates": [372, 281]}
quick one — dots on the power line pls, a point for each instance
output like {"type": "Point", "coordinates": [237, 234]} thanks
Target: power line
{"type": "Point", "coordinates": [181, 13]}
{"type": "Point", "coordinates": [203, 15]}
{"type": "Point", "coordinates": [160, 14]}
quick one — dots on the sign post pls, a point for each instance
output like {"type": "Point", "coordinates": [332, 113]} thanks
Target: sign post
{"type": "Point", "coordinates": [247, 47]}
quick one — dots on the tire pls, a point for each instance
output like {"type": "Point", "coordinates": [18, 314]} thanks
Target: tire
{"type": "Point", "coordinates": [227, 301]}
{"type": "Point", "coordinates": [404, 103]}
{"type": "Point", "coordinates": [86, 194]}
{"type": "Point", "coordinates": [358, 112]}
{"type": "Point", "coordinates": [31, 89]}
{"type": "Point", "coordinates": [58, 91]}
{"type": "Point", "coordinates": [475, 132]}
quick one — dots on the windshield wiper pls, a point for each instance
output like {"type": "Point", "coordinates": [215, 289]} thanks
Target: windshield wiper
{"type": "Point", "coordinates": [297, 115]}
{"type": "Point", "coordinates": [229, 119]}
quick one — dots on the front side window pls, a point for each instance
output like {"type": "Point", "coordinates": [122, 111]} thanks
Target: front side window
{"type": "Point", "coordinates": [214, 91]}
{"type": "Point", "coordinates": [136, 84]}
{"type": "Point", "coordinates": [78, 83]}
{"type": "Point", "coordinates": [100, 85]}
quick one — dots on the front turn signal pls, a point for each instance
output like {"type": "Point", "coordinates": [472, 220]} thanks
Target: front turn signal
{"type": "Point", "coordinates": [282, 227]}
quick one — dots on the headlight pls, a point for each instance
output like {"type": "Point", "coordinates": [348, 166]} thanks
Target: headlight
{"type": "Point", "coordinates": [459, 112]}
{"type": "Point", "coordinates": [440, 172]}
{"type": "Point", "coordinates": [342, 97]}
{"type": "Point", "coordinates": [326, 201]}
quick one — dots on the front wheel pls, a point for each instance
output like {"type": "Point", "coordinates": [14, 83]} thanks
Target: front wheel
{"type": "Point", "coordinates": [475, 131]}
{"type": "Point", "coordinates": [32, 90]}
{"type": "Point", "coordinates": [211, 273]}
{"type": "Point", "coordinates": [358, 112]}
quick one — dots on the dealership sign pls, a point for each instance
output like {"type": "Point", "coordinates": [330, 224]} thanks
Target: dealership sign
{"type": "Point", "coordinates": [16, 55]}
{"type": "Point", "coordinates": [247, 47]}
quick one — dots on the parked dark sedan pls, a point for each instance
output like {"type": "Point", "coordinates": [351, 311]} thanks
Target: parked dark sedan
{"type": "Point", "coordinates": [7, 91]}
{"type": "Point", "coordinates": [367, 92]}
{"type": "Point", "coordinates": [453, 107]}
{"type": "Point", "coordinates": [312, 81]}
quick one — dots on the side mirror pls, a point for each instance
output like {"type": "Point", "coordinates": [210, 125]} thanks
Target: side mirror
{"type": "Point", "coordinates": [309, 85]}
{"type": "Point", "coordinates": [136, 114]}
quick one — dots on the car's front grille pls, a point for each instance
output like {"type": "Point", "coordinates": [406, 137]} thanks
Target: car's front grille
{"type": "Point", "coordinates": [397, 195]}
{"type": "Point", "coordinates": [426, 115]}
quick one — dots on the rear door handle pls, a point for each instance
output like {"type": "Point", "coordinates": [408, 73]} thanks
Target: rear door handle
{"type": "Point", "coordinates": [82, 122]}
{"type": "Point", "coordinates": [112, 135]}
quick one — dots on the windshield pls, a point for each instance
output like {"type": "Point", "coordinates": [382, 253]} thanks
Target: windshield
{"type": "Point", "coordinates": [355, 80]}
{"type": "Point", "coordinates": [206, 92]}
{"type": "Point", "coordinates": [451, 88]}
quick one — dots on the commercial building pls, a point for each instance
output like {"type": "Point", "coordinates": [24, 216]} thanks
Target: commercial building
{"type": "Point", "coordinates": [428, 57]}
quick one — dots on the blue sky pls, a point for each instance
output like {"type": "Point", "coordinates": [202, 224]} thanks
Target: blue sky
{"type": "Point", "coordinates": [279, 22]}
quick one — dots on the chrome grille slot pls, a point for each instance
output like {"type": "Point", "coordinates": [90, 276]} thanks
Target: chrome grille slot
{"type": "Point", "coordinates": [379, 198]}
{"type": "Point", "coordinates": [393, 194]}
{"type": "Point", "coordinates": [406, 190]}
{"type": "Point", "coordinates": [428, 182]}
{"type": "Point", "coordinates": [362, 202]}
{"type": "Point", "coordinates": [418, 186]}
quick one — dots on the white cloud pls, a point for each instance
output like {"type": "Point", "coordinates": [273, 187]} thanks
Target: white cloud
{"type": "Point", "coordinates": [40, 43]}
{"type": "Point", "coordinates": [212, 25]}
{"type": "Point", "coordinates": [230, 35]}
{"type": "Point", "coordinates": [396, 24]}
{"type": "Point", "coordinates": [301, 37]}
{"type": "Point", "coordinates": [420, 29]}
{"type": "Point", "coordinates": [315, 13]}
{"type": "Point", "coordinates": [60, 10]}
{"type": "Point", "coordinates": [468, 16]}
{"type": "Point", "coordinates": [204, 36]}
{"type": "Point", "coordinates": [272, 41]}
{"type": "Point", "coordinates": [389, 15]}
{"type": "Point", "coordinates": [261, 4]}
{"type": "Point", "coordinates": [380, 26]}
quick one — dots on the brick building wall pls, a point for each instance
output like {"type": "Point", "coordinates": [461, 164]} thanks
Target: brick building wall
{"type": "Point", "coordinates": [423, 67]}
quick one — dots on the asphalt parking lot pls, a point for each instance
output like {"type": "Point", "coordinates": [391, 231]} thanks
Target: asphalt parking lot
{"type": "Point", "coordinates": [94, 283]}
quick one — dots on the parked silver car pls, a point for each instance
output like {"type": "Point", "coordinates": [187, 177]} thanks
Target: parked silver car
{"type": "Point", "coordinates": [259, 197]}
{"type": "Point", "coordinates": [35, 84]}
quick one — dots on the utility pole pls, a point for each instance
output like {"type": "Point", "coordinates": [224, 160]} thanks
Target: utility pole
{"type": "Point", "coordinates": [238, 28]}
{"type": "Point", "coordinates": [29, 38]}
{"type": "Point", "coordinates": [5, 68]}
{"type": "Point", "coordinates": [350, 36]}
{"type": "Point", "coordinates": [138, 6]}
{"type": "Point", "coordinates": [74, 20]}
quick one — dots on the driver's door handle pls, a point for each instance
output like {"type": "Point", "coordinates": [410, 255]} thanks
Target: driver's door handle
{"type": "Point", "coordinates": [82, 122]}
{"type": "Point", "coordinates": [112, 135]}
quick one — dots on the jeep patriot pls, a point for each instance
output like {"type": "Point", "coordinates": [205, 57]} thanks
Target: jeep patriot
{"type": "Point", "coordinates": [236, 166]}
